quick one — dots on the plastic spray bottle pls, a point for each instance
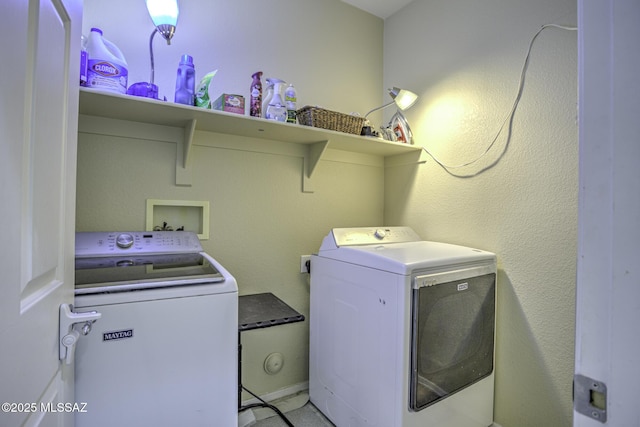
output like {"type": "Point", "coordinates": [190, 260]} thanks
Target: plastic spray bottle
{"type": "Point", "coordinates": [267, 96]}
{"type": "Point", "coordinates": [185, 81]}
{"type": "Point", "coordinates": [255, 107]}
{"type": "Point", "coordinates": [276, 110]}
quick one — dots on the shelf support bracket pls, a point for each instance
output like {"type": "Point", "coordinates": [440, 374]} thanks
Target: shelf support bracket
{"type": "Point", "coordinates": [183, 155]}
{"type": "Point", "coordinates": [312, 157]}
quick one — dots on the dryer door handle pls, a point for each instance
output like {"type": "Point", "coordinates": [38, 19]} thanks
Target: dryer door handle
{"type": "Point", "coordinates": [432, 279]}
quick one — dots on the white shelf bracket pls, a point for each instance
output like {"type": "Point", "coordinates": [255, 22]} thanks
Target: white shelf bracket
{"type": "Point", "coordinates": [312, 157]}
{"type": "Point", "coordinates": [183, 155]}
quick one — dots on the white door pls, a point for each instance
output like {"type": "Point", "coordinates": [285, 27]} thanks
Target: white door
{"type": "Point", "coordinates": [608, 288]}
{"type": "Point", "coordinates": [40, 46]}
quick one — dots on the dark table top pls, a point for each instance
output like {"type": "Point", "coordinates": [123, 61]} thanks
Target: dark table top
{"type": "Point", "coordinates": [263, 311]}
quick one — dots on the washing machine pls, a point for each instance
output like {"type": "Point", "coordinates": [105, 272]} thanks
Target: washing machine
{"type": "Point", "coordinates": [165, 350]}
{"type": "Point", "coordinates": [401, 330]}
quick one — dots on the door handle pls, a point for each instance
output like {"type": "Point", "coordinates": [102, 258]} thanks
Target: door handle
{"type": "Point", "coordinates": [71, 325]}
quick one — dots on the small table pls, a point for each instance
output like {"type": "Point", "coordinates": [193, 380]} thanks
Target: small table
{"type": "Point", "coordinates": [259, 311]}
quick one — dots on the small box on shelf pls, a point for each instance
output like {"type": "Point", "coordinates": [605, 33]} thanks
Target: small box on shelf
{"type": "Point", "coordinates": [229, 103]}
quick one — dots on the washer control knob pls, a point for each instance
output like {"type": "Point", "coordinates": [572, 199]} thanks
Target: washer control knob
{"type": "Point", "coordinates": [124, 241]}
{"type": "Point", "coordinates": [380, 233]}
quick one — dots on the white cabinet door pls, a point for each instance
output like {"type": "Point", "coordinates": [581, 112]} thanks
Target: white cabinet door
{"type": "Point", "coordinates": [38, 136]}
{"type": "Point", "coordinates": [608, 288]}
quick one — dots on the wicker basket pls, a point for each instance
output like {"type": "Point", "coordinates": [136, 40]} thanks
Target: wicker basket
{"type": "Point", "coordinates": [332, 120]}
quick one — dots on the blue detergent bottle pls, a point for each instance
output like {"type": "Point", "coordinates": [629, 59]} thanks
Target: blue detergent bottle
{"type": "Point", "coordinates": [185, 81]}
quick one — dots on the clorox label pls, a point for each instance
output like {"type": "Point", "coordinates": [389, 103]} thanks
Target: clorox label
{"type": "Point", "coordinates": [106, 75]}
{"type": "Point", "coordinates": [105, 69]}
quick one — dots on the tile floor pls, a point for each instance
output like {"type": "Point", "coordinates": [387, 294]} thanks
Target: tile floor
{"type": "Point", "coordinates": [307, 416]}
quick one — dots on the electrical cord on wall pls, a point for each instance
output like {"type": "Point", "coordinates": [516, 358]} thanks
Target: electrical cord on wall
{"type": "Point", "coordinates": [509, 117]}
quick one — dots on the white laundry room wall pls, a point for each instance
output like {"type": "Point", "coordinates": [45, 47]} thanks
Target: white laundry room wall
{"type": "Point", "coordinates": [464, 59]}
{"type": "Point", "coordinates": [260, 220]}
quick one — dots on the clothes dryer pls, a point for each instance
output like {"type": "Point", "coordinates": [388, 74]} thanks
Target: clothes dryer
{"type": "Point", "coordinates": [401, 330]}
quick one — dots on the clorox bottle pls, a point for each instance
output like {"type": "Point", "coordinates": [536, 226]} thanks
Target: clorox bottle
{"type": "Point", "coordinates": [107, 68]}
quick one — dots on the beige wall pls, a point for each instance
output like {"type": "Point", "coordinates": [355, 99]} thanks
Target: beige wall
{"type": "Point", "coordinates": [329, 50]}
{"type": "Point", "coordinates": [261, 221]}
{"type": "Point", "coordinates": [464, 59]}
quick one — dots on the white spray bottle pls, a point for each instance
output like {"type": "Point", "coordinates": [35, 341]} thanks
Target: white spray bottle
{"type": "Point", "coordinates": [277, 110]}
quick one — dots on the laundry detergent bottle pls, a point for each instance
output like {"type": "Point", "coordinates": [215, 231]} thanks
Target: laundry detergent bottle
{"type": "Point", "coordinates": [185, 81]}
{"type": "Point", "coordinates": [106, 66]}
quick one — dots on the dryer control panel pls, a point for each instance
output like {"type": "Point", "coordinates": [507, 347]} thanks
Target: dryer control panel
{"type": "Point", "coordinates": [373, 235]}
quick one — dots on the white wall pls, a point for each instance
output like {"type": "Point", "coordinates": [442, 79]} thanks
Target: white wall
{"type": "Point", "coordinates": [464, 59]}
{"type": "Point", "coordinates": [261, 222]}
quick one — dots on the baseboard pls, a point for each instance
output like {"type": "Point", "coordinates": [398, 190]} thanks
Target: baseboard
{"type": "Point", "coordinates": [286, 399]}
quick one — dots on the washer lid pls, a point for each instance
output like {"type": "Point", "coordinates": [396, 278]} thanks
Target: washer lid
{"type": "Point", "coordinates": [406, 257]}
{"type": "Point", "coordinates": [117, 274]}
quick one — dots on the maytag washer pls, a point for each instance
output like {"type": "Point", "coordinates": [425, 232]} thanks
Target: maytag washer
{"type": "Point", "coordinates": [401, 330]}
{"type": "Point", "coordinates": [164, 352]}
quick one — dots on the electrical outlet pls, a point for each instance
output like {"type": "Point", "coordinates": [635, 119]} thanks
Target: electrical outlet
{"type": "Point", "coordinates": [303, 263]}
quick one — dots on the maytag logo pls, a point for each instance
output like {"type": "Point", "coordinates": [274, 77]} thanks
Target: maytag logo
{"type": "Point", "coordinates": [117, 335]}
{"type": "Point", "coordinates": [463, 286]}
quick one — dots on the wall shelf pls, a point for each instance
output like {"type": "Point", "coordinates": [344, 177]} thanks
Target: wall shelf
{"type": "Point", "coordinates": [151, 111]}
